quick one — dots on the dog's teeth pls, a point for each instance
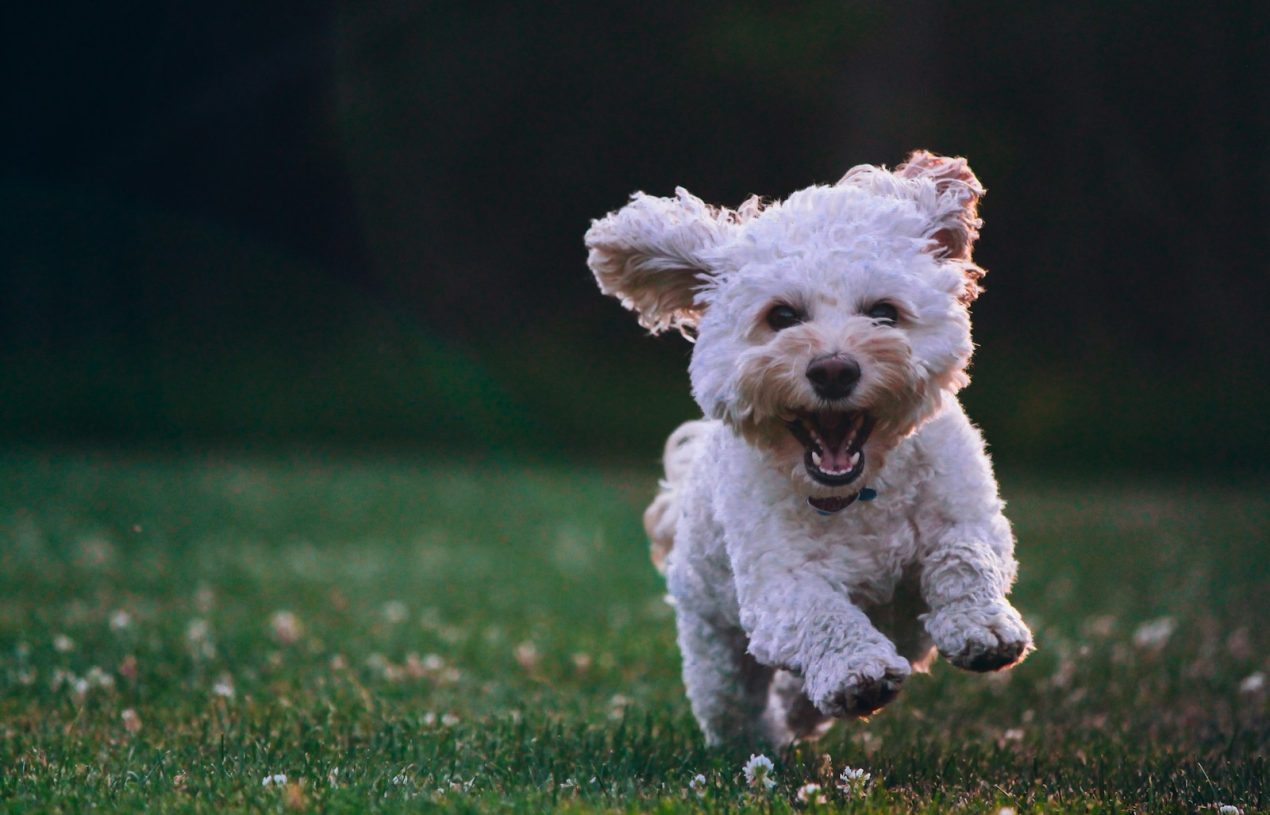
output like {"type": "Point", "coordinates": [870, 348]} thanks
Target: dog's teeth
{"type": "Point", "coordinates": [815, 458]}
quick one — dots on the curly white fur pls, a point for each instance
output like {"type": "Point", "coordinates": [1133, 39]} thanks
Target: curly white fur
{"type": "Point", "coordinates": [788, 616]}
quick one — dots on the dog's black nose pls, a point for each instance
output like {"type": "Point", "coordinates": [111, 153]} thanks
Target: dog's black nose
{"type": "Point", "coordinates": [834, 376]}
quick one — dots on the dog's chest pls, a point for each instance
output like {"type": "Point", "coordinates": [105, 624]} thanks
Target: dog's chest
{"type": "Point", "coordinates": [868, 546]}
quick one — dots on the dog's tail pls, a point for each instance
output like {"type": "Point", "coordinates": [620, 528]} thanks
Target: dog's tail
{"type": "Point", "coordinates": [663, 513]}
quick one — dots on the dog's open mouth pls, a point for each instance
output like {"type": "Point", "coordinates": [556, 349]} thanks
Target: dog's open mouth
{"type": "Point", "coordinates": [834, 441]}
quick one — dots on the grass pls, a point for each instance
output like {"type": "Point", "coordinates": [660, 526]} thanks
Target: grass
{"type": "Point", "coordinates": [397, 635]}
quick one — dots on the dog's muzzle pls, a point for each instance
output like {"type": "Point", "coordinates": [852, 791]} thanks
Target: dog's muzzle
{"type": "Point", "coordinates": [833, 441]}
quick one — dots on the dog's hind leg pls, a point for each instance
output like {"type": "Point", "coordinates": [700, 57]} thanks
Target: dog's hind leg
{"type": "Point", "coordinates": [728, 688]}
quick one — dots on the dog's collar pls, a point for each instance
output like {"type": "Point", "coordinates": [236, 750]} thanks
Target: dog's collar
{"type": "Point", "coordinates": [831, 506]}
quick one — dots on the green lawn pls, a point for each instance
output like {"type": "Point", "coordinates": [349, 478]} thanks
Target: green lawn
{"type": "Point", "coordinates": [400, 634]}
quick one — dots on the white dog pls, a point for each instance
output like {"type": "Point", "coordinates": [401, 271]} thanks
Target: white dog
{"type": "Point", "coordinates": [836, 519]}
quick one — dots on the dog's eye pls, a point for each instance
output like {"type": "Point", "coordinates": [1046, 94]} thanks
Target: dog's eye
{"type": "Point", "coordinates": [783, 316]}
{"type": "Point", "coordinates": [884, 313]}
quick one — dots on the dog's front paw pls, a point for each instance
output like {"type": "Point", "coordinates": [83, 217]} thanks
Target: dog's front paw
{"type": "Point", "coordinates": [858, 686]}
{"type": "Point", "coordinates": [980, 637]}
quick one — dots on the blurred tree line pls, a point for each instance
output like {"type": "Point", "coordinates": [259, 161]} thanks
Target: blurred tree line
{"type": "Point", "coordinates": [361, 221]}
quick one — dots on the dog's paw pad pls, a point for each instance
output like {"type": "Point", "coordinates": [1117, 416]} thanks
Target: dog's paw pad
{"type": "Point", "coordinates": [981, 638]}
{"type": "Point", "coordinates": [869, 696]}
{"type": "Point", "coordinates": [864, 691]}
{"type": "Point", "coordinates": [991, 658]}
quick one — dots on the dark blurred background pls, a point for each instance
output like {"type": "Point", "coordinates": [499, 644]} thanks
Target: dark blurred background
{"type": "Point", "coordinates": [360, 223]}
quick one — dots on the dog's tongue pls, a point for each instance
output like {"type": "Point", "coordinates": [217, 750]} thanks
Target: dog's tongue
{"type": "Point", "coordinates": [835, 432]}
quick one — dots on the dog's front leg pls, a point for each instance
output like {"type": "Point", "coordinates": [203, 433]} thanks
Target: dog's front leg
{"type": "Point", "coordinates": [964, 581]}
{"type": "Point", "coordinates": [796, 611]}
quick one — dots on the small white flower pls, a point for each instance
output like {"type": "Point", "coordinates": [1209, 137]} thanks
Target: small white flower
{"type": "Point", "coordinates": [852, 781]}
{"type": "Point", "coordinates": [276, 778]}
{"type": "Point", "coordinates": [198, 636]}
{"type": "Point", "coordinates": [1253, 683]}
{"type": "Point", "coordinates": [97, 678]}
{"type": "Point", "coordinates": [224, 687]}
{"type": "Point", "coordinates": [63, 644]}
{"type": "Point", "coordinates": [697, 785]}
{"type": "Point", "coordinates": [527, 656]}
{"type": "Point", "coordinates": [759, 771]}
{"type": "Point", "coordinates": [120, 620]}
{"type": "Point", "coordinates": [449, 720]}
{"type": "Point", "coordinates": [1007, 811]}
{"type": "Point", "coordinates": [1229, 809]}
{"type": "Point", "coordinates": [811, 794]}
{"type": "Point", "coordinates": [1154, 635]}
{"type": "Point", "coordinates": [285, 627]}
{"type": "Point", "coordinates": [131, 721]}
{"type": "Point", "coordinates": [197, 630]}
{"type": "Point", "coordinates": [395, 612]}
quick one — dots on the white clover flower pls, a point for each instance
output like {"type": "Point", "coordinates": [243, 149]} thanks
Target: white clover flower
{"type": "Point", "coordinates": [449, 720]}
{"type": "Point", "coordinates": [697, 785]}
{"type": "Point", "coordinates": [120, 620]}
{"type": "Point", "coordinates": [1154, 635]}
{"type": "Point", "coordinates": [527, 656]}
{"type": "Point", "coordinates": [853, 782]}
{"type": "Point", "coordinates": [811, 793]}
{"type": "Point", "coordinates": [394, 612]}
{"type": "Point", "coordinates": [197, 630]}
{"type": "Point", "coordinates": [276, 778]}
{"type": "Point", "coordinates": [759, 771]}
{"type": "Point", "coordinates": [131, 721]}
{"type": "Point", "coordinates": [1007, 811]}
{"type": "Point", "coordinates": [1229, 809]}
{"type": "Point", "coordinates": [63, 644]}
{"type": "Point", "coordinates": [97, 678]}
{"type": "Point", "coordinates": [198, 636]}
{"type": "Point", "coordinates": [224, 687]}
{"type": "Point", "coordinates": [285, 627]}
{"type": "Point", "coordinates": [1253, 683]}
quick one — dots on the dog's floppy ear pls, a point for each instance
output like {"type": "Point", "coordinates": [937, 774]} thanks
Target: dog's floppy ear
{"type": "Point", "coordinates": [954, 208]}
{"type": "Point", "coordinates": [651, 255]}
{"type": "Point", "coordinates": [956, 205]}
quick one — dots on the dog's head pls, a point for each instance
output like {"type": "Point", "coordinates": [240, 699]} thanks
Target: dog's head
{"type": "Point", "coordinates": [828, 326]}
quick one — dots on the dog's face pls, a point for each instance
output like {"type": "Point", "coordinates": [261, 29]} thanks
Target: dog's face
{"type": "Point", "coordinates": [829, 326]}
